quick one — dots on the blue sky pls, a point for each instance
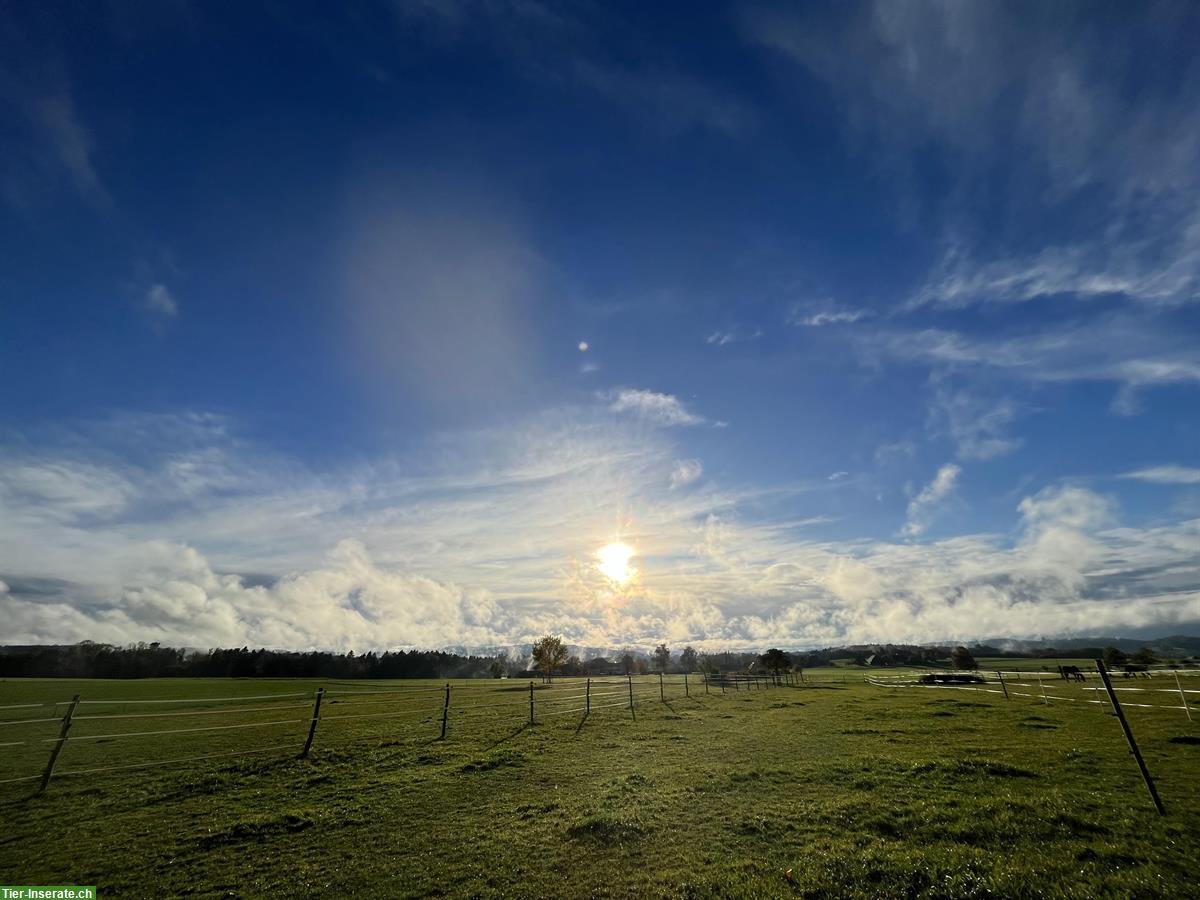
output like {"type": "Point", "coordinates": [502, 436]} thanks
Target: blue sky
{"type": "Point", "coordinates": [890, 314]}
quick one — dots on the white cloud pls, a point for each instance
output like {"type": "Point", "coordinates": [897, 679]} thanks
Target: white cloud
{"type": "Point", "coordinates": [721, 338]}
{"type": "Point", "coordinates": [47, 142]}
{"type": "Point", "coordinates": [984, 84]}
{"type": "Point", "coordinates": [1166, 475]}
{"type": "Point", "coordinates": [62, 490]}
{"type": "Point", "coordinates": [1131, 352]}
{"type": "Point", "coordinates": [838, 476]}
{"type": "Point", "coordinates": [71, 141]}
{"type": "Point", "coordinates": [978, 426]}
{"type": "Point", "coordinates": [686, 471]}
{"type": "Point", "coordinates": [1112, 265]}
{"type": "Point", "coordinates": [887, 454]}
{"type": "Point", "coordinates": [920, 508]}
{"type": "Point", "coordinates": [161, 301]}
{"type": "Point", "coordinates": [472, 551]}
{"type": "Point", "coordinates": [827, 317]}
{"type": "Point", "coordinates": [660, 409]}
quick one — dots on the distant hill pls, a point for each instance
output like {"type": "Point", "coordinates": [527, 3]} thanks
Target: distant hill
{"type": "Point", "coordinates": [1172, 646]}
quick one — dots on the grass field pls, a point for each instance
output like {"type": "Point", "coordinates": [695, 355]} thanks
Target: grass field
{"type": "Point", "coordinates": [857, 790]}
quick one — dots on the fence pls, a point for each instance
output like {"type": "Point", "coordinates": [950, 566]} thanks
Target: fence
{"type": "Point", "coordinates": [111, 728]}
{"type": "Point", "coordinates": [1066, 679]}
{"type": "Point", "coordinates": [1052, 687]}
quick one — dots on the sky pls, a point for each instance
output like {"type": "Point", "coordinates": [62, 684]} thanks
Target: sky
{"type": "Point", "coordinates": [453, 324]}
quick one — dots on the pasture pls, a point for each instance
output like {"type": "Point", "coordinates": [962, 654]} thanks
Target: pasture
{"type": "Point", "coordinates": [853, 789]}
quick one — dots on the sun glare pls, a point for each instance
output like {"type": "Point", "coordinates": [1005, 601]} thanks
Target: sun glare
{"type": "Point", "coordinates": [615, 562]}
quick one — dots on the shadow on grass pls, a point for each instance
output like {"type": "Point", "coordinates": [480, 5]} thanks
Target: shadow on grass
{"type": "Point", "coordinates": [508, 737]}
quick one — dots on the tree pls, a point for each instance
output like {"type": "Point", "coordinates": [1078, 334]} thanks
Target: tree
{"type": "Point", "coordinates": [549, 654]}
{"type": "Point", "coordinates": [662, 657]}
{"type": "Point", "coordinates": [688, 659]}
{"type": "Point", "coordinates": [499, 665]}
{"type": "Point", "coordinates": [1113, 657]}
{"type": "Point", "coordinates": [962, 658]}
{"type": "Point", "coordinates": [1145, 657]}
{"type": "Point", "coordinates": [775, 661]}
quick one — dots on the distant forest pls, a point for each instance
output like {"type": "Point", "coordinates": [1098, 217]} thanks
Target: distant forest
{"type": "Point", "coordinates": [93, 660]}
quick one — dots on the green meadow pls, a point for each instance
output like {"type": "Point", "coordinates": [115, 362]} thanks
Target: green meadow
{"type": "Point", "coordinates": [828, 789]}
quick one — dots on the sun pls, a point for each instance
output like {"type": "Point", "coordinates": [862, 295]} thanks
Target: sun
{"type": "Point", "coordinates": [615, 562]}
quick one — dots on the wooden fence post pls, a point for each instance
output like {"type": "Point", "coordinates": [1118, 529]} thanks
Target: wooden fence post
{"type": "Point", "coordinates": [705, 676]}
{"type": "Point", "coordinates": [62, 739]}
{"type": "Point", "coordinates": [312, 727]}
{"type": "Point", "coordinates": [1042, 685]}
{"type": "Point", "coordinates": [1000, 675]}
{"type": "Point", "coordinates": [531, 722]}
{"type": "Point", "coordinates": [587, 710]}
{"type": "Point", "coordinates": [1133, 747]}
{"type": "Point", "coordinates": [445, 712]}
{"type": "Point", "coordinates": [686, 692]}
{"type": "Point", "coordinates": [662, 695]}
{"type": "Point", "coordinates": [631, 712]}
{"type": "Point", "coordinates": [1182, 695]}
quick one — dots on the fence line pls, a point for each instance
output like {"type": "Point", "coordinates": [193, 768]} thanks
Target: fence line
{"type": "Point", "coordinates": [189, 712]}
{"type": "Point", "coordinates": [199, 699]}
{"type": "Point", "coordinates": [567, 697]}
{"type": "Point", "coordinates": [429, 717]}
{"type": "Point", "coordinates": [127, 734]}
{"type": "Point", "coordinates": [340, 703]}
{"type": "Point", "coordinates": [408, 691]}
{"type": "Point", "coordinates": [1039, 680]}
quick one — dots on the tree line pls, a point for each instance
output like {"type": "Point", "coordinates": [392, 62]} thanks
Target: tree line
{"type": "Point", "coordinates": [93, 660]}
{"type": "Point", "coordinates": [549, 656]}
